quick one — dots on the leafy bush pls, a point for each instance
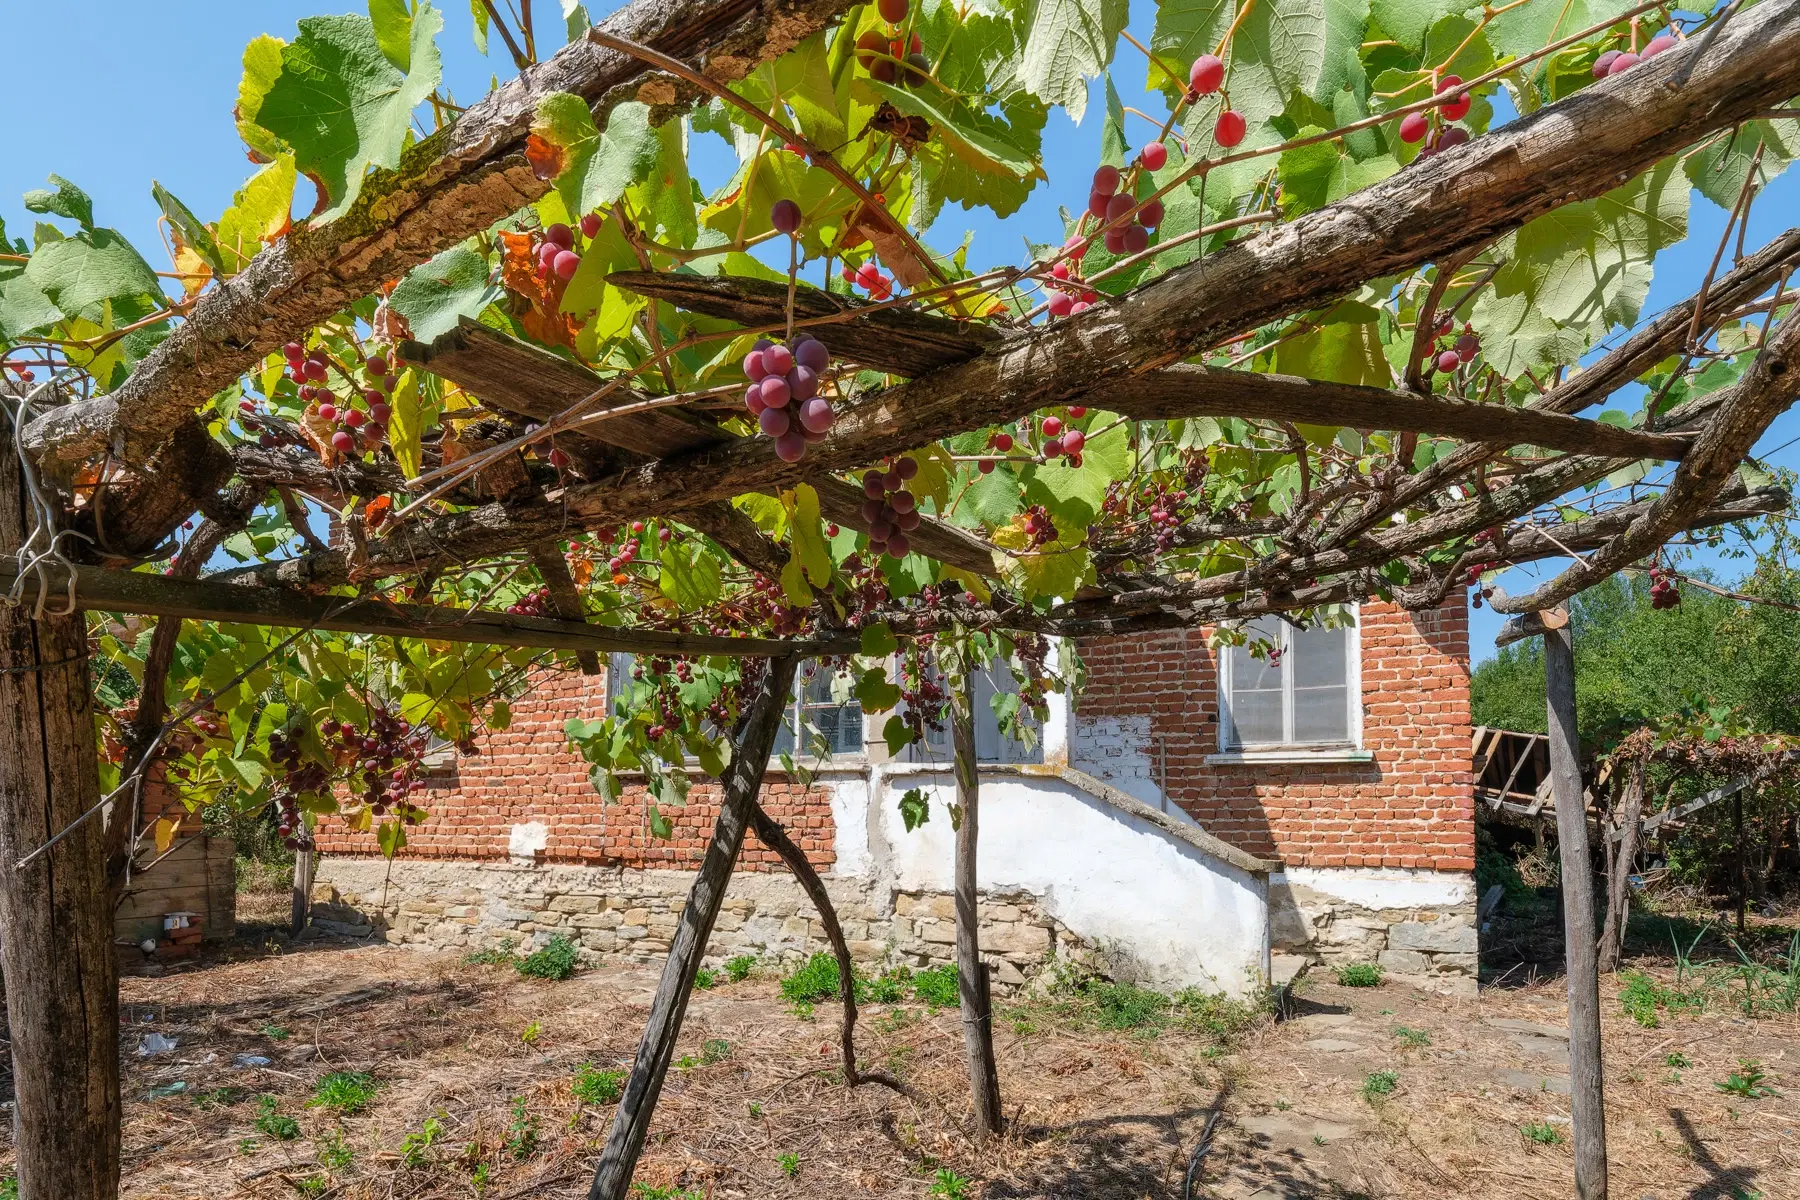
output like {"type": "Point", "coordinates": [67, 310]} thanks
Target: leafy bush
{"type": "Point", "coordinates": [595, 1085]}
{"type": "Point", "coordinates": [1495, 866]}
{"type": "Point", "coordinates": [937, 987]}
{"type": "Point", "coordinates": [814, 980]}
{"type": "Point", "coordinates": [647, 1192]}
{"type": "Point", "coordinates": [1412, 1039]}
{"type": "Point", "coordinates": [705, 979]}
{"type": "Point", "coordinates": [1379, 1083]}
{"type": "Point", "coordinates": [521, 1131]}
{"type": "Point", "coordinates": [415, 1147]}
{"type": "Point", "coordinates": [948, 1185]}
{"type": "Point", "coordinates": [334, 1153]}
{"type": "Point", "coordinates": [555, 961]}
{"type": "Point", "coordinates": [9, 1188]}
{"type": "Point", "coordinates": [1747, 1081]}
{"type": "Point", "coordinates": [738, 969]}
{"type": "Point", "coordinates": [488, 958]}
{"type": "Point", "coordinates": [1542, 1133]}
{"type": "Point", "coordinates": [1358, 974]}
{"type": "Point", "coordinates": [889, 987]}
{"type": "Point", "coordinates": [715, 1050]}
{"type": "Point", "coordinates": [1126, 1005]}
{"type": "Point", "coordinates": [348, 1092]}
{"type": "Point", "coordinates": [789, 1164]}
{"type": "Point", "coordinates": [271, 1123]}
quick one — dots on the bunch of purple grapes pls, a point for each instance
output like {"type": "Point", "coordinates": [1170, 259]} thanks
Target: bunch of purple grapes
{"type": "Point", "coordinates": [1665, 590]}
{"type": "Point", "coordinates": [784, 396]}
{"type": "Point", "coordinates": [891, 511]}
{"type": "Point", "coordinates": [536, 604]}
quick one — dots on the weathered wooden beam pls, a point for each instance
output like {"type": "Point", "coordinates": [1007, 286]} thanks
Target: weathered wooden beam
{"type": "Point", "coordinates": [565, 597]}
{"type": "Point", "coordinates": [902, 341]}
{"type": "Point", "coordinates": [210, 600]}
{"type": "Point", "coordinates": [1189, 390]}
{"type": "Point", "coordinates": [1467, 196]}
{"type": "Point", "coordinates": [453, 184]}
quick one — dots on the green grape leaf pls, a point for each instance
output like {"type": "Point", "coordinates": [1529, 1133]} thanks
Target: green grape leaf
{"type": "Point", "coordinates": [262, 67]}
{"type": "Point", "coordinates": [391, 837]}
{"type": "Point", "coordinates": [342, 105]}
{"type": "Point", "coordinates": [393, 23]}
{"type": "Point", "coordinates": [1407, 20]}
{"type": "Point", "coordinates": [1718, 171]}
{"type": "Point", "coordinates": [1074, 494]}
{"type": "Point", "coordinates": [1348, 350]}
{"type": "Point", "coordinates": [1066, 41]}
{"type": "Point", "coordinates": [690, 575]}
{"type": "Point", "coordinates": [876, 692]}
{"type": "Point", "coordinates": [190, 230]}
{"type": "Point", "coordinates": [597, 164]}
{"type": "Point", "coordinates": [802, 79]}
{"type": "Point", "coordinates": [1518, 30]}
{"type": "Point", "coordinates": [793, 583]}
{"type": "Point", "coordinates": [808, 533]}
{"type": "Point", "coordinates": [449, 286]}
{"type": "Point", "coordinates": [878, 640]}
{"type": "Point", "coordinates": [258, 214]}
{"type": "Point", "coordinates": [897, 734]}
{"type": "Point", "coordinates": [1316, 175]}
{"type": "Point", "coordinates": [1278, 50]}
{"type": "Point", "coordinates": [968, 145]}
{"type": "Point", "coordinates": [406, 426]}
{"type": "Point", "coordinates": [1184, 30]}
{"type": "Point", "coordinates": [23, 305]}
{"type": "Point", "coordinates": [667, 192]}
{"type": "Point", "coordinates": [66, 200]}
{"type": "Point", "coordinates": [1457, 46]}
{"type": "Point", "coordinates": [478, 11]}
{"type": "Point", "coordinates": [915, 808]}
{"type": "Point", "coordinates": [90, 268]}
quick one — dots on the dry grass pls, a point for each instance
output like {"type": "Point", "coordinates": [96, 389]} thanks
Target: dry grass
{"type": "Point", "coordinates": [1097, 1114]}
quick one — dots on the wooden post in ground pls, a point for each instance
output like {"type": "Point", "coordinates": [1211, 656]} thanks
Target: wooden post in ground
{"type": "Point", "coordinates": [766, 704]}
{"type": "Point", "coordinates": [61, 972]}
{"type": "Point", "coordinates": [1619, 860]}
{"type": "Point", "coordinates": [302, 899]}
{"type": "Point", "coordinates": [971, 973]}
{"type": "Point", "coordinates": [1585, 1077]}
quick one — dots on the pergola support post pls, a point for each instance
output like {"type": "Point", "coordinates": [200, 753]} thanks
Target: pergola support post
{"type": "Point", "coordinates": [973, 988]}
{"type": "Point", "coordinates": [743, 780]}
{"type": "Point", "coordinates": [1587, 1091]}
{"type": "Point", "coordinates": [56, 935]}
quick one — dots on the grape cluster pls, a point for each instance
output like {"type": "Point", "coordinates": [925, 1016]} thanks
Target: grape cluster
{"type": "Point", "coordinates": [359, 429]}
{"type": "Point", "coordinates": [1665, 588]}
{"type": "Point", "coordinates": [536, 604]}
{"type": "Point", "coordinates": [1107, 203]}
{"type": "Point", "coordinates": [1205, 77]}
{"type": "Point", "coordinates": [1614, 62]}
{"type": "Point", "coordinates": [667, 674]}
{"type": "Point", "coordinates": [1061, 441]}
{"type": "Point", "coordinates": [556, 253]}
{"type": "Point", "coordinates": [1039, 525]}
{"type": "Point", "coordinates": [1454, 353]}
{"type": "Point", "coordinates": [891, 511]}
{"type": "Point", "coordinates": [783, 394]}
{"type": "Point", "coordinates": [886, 57]}
{"type": "Point", "coordinates": [922, 698]}
{"type": "Point", "coordinates": [1068, 295]}
{"type": "Point", "coordinates": [1473, 579]}
{"type": "Point", "coordinates": [298, 778]}
{"type": "Point", "coordinates": [1434, 128]}
{"type": "Point", "coordinates": [870, 279]}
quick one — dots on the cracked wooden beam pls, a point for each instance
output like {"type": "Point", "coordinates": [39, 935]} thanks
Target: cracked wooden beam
{"type": "Point", "coordinates": [449, 186]}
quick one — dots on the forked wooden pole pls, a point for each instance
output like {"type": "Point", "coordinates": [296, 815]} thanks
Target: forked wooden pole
{"type": "Point", "coordinates": [1585, 1076]}
{"type": "Point", "coordinates": [971, 972]}
{"type": "Point", "coordinates": [755, 738]}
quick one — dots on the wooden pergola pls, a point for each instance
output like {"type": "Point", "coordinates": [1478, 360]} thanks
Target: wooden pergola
{"type": "Point", "coordinates": [674, 459]}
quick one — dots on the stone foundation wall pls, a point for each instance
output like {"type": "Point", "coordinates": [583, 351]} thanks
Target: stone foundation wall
{"type": "Point", "coordinates": [1419, 925]}
{"type": "Point", "coordinates": [628, 914]}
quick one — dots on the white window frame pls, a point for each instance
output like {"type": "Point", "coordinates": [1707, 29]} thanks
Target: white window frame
{"type": "Point", "coordinates": [1350, 750]}
{"type": "Point", "coordinates": [618, 668]}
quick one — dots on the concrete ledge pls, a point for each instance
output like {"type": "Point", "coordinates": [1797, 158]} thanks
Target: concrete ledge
{"type": "Point", "coordinates": [1193, 835]}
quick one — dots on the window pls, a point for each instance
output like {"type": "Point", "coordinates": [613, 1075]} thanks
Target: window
{"type": "Point", "coordinates": [1304, 694]}
{"type": "Point", "coordinates": [992, 745]}
{"type": "Point", "coordinates": [838, 722]}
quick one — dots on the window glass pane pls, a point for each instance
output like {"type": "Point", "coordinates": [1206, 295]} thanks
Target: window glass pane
{"type": "Point", "coordinates": [1253, 710]}
{"type": "Point", "coordinates": [1321, 714]}
{"type": "Point", "coordinates": [1320, 657]}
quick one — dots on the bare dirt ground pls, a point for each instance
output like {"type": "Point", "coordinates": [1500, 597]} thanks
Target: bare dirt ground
{"type": "Point", "coordinates": [483, 1061]}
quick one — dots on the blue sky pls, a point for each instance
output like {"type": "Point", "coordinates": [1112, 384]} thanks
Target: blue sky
{"type": "Point", "coordinates": [159, 81]}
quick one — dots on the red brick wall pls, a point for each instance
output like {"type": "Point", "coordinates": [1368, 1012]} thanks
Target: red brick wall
{"type": "Point", "coordinates": [1413, 806]}
{"type": "Point", "coordinates": [529, 773]}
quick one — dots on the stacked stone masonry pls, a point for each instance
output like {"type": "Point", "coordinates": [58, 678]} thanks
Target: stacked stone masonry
{"type": "Point", "coordinates": [630, 914]}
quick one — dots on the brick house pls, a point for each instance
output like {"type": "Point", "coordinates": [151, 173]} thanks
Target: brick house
{"type": "Point", "coordinates": [1199, 817]}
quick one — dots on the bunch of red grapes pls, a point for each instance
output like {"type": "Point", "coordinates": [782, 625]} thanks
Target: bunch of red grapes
{"type": "Point", "coordinates": [1205, 77]}
{"type": "Point", "coordinates": [891, 511]}
{"type": "Point", "coordinates": [870, 279]}
{"type": "Point", "coordinates": [783, 394]}
{"type": "Point", "coordinates": [877, 52]}
{"type": "Point", "coordinates": [536, 604]}
{"type": "Point", "coordinates": [1665, 588]}
{"type": "Point", "coordinates": [360, 429]}
{"type": "Point", "coordinates": [666, 675]}
{"type": "Point", "coordinates": [922, 698]}
{"type": "Point", "coordinates": [1039, 525]}
{"type": "Point", "coordinates": [1107, 203]}
{"type": "Point", "coordinates": [1061, 441]}
{"type": "Point", "coordinates": [1453, 354]}
{"type": "Point", "coordinates": [1615, 61]}
{"type": "Point", "coordinates": [556, 253]}
{"type": "Point", "coordinates": [1452, 104]}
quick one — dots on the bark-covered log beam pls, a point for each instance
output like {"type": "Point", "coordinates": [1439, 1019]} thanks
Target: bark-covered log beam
{"type": "Point", "coordinates": [449, 186]}
{"type": "Point", "coordinates": [1187, 390]}
{"type": "Point", "coordinates": [1470, 195]}
{"type": "Point", "coordinates": [1763, 393]}
{"type": "Point", "coordinates": [901, 341]}
{"type": "Point", "coordinates": [513, 376]}
{"type": "Point", "coordinates": [565, 597]}
{"type": "Point", "coordinates": [208, 600]}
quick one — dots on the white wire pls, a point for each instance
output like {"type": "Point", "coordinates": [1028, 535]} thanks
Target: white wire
{"type": "Point", "coordinates": [32, 560]}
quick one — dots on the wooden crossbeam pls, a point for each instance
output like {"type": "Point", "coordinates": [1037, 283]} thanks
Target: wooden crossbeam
{"type": "Point", "coordinates": [1192, 391]}
{"type": "Point", "coordinates": [204, 600]}
{"type": "Point", "coordinates": [517, 377]}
